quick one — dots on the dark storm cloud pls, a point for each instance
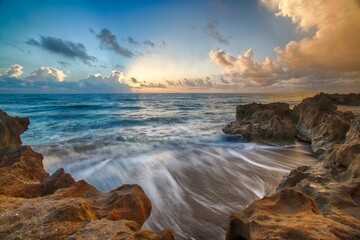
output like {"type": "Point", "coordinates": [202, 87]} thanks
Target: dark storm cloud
{"type": "Point", "coordinates": [62, 47]}
{"type": "Point", "coordinates": [109, 41]}
{"type": "Point", "coordinates": [211, 30]}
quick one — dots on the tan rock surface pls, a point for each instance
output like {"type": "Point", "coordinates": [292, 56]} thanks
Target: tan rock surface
{"type": "Point", "coordinates": [35, 205]}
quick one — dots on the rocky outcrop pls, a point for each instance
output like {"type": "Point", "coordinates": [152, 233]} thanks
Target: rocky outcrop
{"type": "Point", "coordinates": [265, 123]}
{"type": "Point", "coordinates": [313, 202]}
{"type": "Point", "coordinates": [36, 205]}
{"type": "Point", "coordinates": [11, 128]}
{"type": "Point", "coordinates": [318, 122]}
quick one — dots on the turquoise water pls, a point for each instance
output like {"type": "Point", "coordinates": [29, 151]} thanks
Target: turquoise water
{"type": "Point", "coordinates": [170, 144]}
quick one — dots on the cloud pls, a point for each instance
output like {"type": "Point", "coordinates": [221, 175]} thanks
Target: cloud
{"type": "Point", "coordinates": [149, 43]}
{"type": "Point", "coordinates": [327, 60]}
{"type": "Point", "coordinates": [145, 84]}
{"type": "Point", "coordinates": [14, 71]}
{"type": "Point", "coordinates": [133, 80]}
{"type": "Point", "coordinates": [244, 72]}
{"type": "Point", "coordinates": [152, 85]}
{"type": "Point", "coordinates": [223, 80]}
{"type": "Point", "coordinates": [47, 74]}
{"type": "Point", "coordinates": [221, 57]}
{"type": "Point", "coordinates": [211, 30]}
{"type": "Point", "coordinates": [64, 64]}
{"type": "Point", "coordinates": [244, 69]}
{"type": "Point", "coordinates": [146, 43]}
{"type": "Point", "coordinates": [99, 83]}
{"type": "Point", "coordinates": [131, 40]}
{"type": "Point", "coordinates": [109, 41]}
{"type": "Point", "coordinates": [335, 43]}
{"type": "Point", "coordinates": [192, 83]}
{"type": "Point", "coordinates": [51, 80]}
{"type": "Point", "coordinates": [64, 48]}
{"type": "Point", "coordinates": [119, 66]}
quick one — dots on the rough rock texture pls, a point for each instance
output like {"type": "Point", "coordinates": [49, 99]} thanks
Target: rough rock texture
{"type": "Point", "coordinates": [11, 128]}
{"type": "Point", "coordinates": [289, 214]}
{"type": "Point", "coordinates": [266, 123]}
{"type": "Point", "coordinates": [313, 202]}
{"type": "Point", "coordinates": [35, 205]}
{"type": "Point", "coordinates": [318, 122]}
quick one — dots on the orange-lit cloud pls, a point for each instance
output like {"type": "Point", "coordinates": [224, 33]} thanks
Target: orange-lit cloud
{"type": "Point", "coordinates": [328, 60]}
{"type": "Point", "coordinates": [335, 44]}
{"type": "Point", "coordinates": [245, 70]}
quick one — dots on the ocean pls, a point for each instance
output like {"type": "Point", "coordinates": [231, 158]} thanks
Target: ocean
{"type": "Point", "coordinates": [170, 144]}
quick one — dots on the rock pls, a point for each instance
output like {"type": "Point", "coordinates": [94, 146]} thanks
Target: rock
{"type": "Point", "coordinates": [11, 128]}
{"type": "Point", "coordinates": [265, 123]}
{"type": "Point", "coordinates": [21, 172]}
{"type": "Point", "coordinates": [313, 202]}
{"type": "Point", "coordinates": [289, 214]}
{"type": "Point", "coordinates": [35, 205]}
{"type": "Point", "coordinates": [351, 99]}
{"type": "Point", "coordinates": [347, 155]}
{"type": "Point", "coordinates": [318, 122]}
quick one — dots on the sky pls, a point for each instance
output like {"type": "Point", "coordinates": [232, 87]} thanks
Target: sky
{"type": "Point", "coordinates": [204, 46]}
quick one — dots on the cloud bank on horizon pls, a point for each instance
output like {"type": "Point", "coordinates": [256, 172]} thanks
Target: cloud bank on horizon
{"type": "Point", "coordinates": [324, 56]}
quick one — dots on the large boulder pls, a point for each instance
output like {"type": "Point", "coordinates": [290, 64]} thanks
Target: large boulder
{"type": "Point", "coordinates": [36, 205]}
{"type": "Point", "coordinates": [265, 123]}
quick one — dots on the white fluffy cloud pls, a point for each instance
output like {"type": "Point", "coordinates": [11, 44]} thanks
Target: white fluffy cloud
{"type": "Point", "coordinates": [113, 82]}
{"type": "Point", "coordinates": [51, 80]}
{"type": "Point", "coordinates": [47, 73]}
{"type": "Point", "coordinates": [14, 71]}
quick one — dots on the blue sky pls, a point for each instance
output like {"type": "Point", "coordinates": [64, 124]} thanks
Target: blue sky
{"type": "Point", "coordinates": [157, 46]}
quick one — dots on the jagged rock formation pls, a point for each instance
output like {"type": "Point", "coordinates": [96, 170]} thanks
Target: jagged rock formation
{"type": "Point", "coordinates": [313, 202]}
{"type": "Point", "coordinates": [266, 123]}
{"type": "Point", "coordinates": [35, 205]}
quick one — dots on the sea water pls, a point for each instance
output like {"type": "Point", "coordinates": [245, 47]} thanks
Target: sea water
{"type": "Point", "coordinates": [170, 144]}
